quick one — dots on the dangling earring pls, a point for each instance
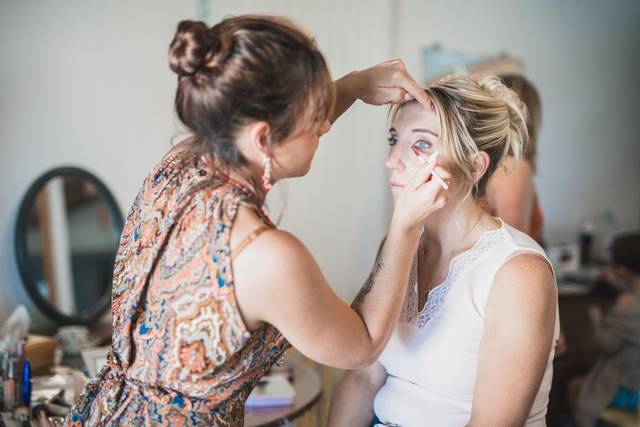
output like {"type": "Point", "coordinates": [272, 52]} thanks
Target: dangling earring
{"type": "Point", "coordinates": [266, 176]}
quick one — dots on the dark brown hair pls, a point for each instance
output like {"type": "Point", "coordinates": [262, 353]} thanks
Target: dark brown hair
{"type": "Point", "coordinates": [530, 97]}
{"type": "Point", "coordinates": [244, 69]}
{"type": "Point", "coordinates": [625, 251]}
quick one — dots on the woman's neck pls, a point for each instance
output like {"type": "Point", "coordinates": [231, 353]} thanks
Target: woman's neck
{"type": "Point", "coordinates": [456, 227]}
{"type": "Point", "coordinates": [238, 178]}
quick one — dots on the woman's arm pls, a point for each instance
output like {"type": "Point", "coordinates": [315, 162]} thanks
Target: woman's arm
{"type": "Point", "coordinates": [514, 350]}
{"type": "Point", "coordinates": [386, 83]}
{"type": "Point", "coordinates": [352, 401]}
{"type": "Point", "coordinates": [278, 281]}
{"type": "Point", "coordinates": [511, 195]}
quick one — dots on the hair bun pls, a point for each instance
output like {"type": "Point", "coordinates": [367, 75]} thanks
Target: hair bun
{"type": "Point", "coordinates": [196, 47]}
{"type": "Point", "coordinates": [516, 110]}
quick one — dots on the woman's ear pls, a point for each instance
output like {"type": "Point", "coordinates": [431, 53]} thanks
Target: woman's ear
{"type": "Point", "coordinates": [259, 137]}
{"type": "Point", "coordinates": [481, 161]}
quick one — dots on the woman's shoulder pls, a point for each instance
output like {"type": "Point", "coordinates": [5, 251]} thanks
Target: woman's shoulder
{"type": "Point", "coordinates": [524, 285]}
{"type": "Point", "coordinates": [511, 174]}
{"type": "Point", "coordinates": [519, 241]}
{"type": "Point", "coordinates": [522, 260]}
{"type": "Point", "coordinates": [515, 167]}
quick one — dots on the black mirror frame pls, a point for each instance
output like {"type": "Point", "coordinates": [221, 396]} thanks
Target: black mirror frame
{"type": "Point", "coordinates": [102, 305]}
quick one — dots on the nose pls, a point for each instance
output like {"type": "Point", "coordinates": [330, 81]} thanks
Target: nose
{"type": "Point", "coordinates": [324, 128]}
{"type": "Point", "coordinates": [394, 159]}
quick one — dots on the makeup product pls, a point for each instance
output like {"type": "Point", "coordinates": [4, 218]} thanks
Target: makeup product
{"type": "Point", "coordinates": [18, 361]}
{"type": "Point", "coordinates": [3, 373]}
{"type": "Point", "coordinates": [434, 173]}
{"type": "Point", "coordinates": [26, 383]}
{"type": "Point", "coordinates": [440, 180]}
{"type": "Point", "coordinates": [1, 392]}
{"type": "Point", "coordinates": [9, 388]}
{"type": "Point", "coordinates": [586, 239]}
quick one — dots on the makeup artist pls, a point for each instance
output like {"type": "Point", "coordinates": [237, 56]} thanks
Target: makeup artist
{"type": "Point", "coordinates": [207, 293]}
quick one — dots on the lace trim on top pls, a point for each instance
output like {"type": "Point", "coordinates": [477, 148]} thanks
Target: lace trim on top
{"type": "Point", "coordinates": [438, 295]}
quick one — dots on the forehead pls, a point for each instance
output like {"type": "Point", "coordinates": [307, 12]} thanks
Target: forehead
{"type": "Point", "coordinates": [413, 115]}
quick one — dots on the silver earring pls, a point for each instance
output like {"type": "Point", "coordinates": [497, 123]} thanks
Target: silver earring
{"type": "Point", "coordinates": [266, 176]}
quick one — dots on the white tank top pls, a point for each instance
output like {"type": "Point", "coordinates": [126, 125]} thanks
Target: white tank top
{"type": "Point", "coordinates": [432, 356]}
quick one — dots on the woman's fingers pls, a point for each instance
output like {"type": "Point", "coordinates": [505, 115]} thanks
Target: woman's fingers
{"type": "Point", "coordinates": [441, 176]}
{"type": "Point", "coordinates": [423, 172]}
{"type": "Point", "coordinates": [388, 95]}
{"type": "Point", "coordinates": [390, 83]}
{"type": "Point", "coordinates": [412, 88]}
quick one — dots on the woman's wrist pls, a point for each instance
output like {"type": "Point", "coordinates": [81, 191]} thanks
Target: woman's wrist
{"type": "Point", "coordinates": [347, 92]}
{"type": "Point", "coordinates": [404, 229]}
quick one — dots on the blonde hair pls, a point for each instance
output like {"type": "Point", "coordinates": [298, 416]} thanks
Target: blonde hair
{"type": "Point", "coordinates": [477, 116]}
{"type": "Point", "coordinates": [529, 95]}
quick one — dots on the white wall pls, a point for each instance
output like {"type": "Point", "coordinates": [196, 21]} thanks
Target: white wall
{"type": "Point", "coordinates": [86, 83]}
{"type": "Point", "coordinates": [584, 57]}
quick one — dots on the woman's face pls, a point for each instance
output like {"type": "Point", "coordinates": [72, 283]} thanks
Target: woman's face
{"type": "Point", "coordinates": [414, 135]}
{"type": "Point", "coordinates": [292, 157]}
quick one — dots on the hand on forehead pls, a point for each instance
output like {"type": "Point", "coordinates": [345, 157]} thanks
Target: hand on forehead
{"type": "Point", "coordinates": [414, 118]}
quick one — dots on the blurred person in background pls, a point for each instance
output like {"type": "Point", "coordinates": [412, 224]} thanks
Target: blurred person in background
{"type": "Point", "coordinates": [511, 193]}
{"type": "Point", "coordinates": [616, 375]}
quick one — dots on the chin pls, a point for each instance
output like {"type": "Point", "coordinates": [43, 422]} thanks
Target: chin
{"type": "Point", "coordinates": [395, 192]}
{"type": "Point", "coordinates": [305, 170]}
{"type": "Point", "coordinates": [300, 172]}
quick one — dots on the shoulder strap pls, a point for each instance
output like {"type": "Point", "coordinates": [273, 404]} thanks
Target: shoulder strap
{"type": "Point", "coordinates": [247, 240]}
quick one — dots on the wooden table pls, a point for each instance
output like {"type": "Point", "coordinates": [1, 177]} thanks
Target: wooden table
{"type": "Point", "coordinates": [308, 386]}
{"type": "Point", "coordinates": [581, 352]}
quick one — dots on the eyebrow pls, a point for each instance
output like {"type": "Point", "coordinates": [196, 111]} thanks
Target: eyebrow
{"type": "Point", "coordinates": [418, 130]}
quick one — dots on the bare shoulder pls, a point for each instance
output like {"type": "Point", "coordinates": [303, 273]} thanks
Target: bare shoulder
{"type": "Point", "coordinates": [521, 168]}
{"type": "Point", "coordinates": [511, 175]}
{"type": "Point", "coordinates": [271, 255]}
{"type": "Point", "coordinates": [526, 279]}
{"type": "Point", "coordinates": [247, 221]}
{"type": "Point", "coordinates": [275, 249]}
{"type": "Point", "coordinates": [274, 269]}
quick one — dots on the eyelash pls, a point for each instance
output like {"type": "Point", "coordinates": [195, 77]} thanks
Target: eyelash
{"type": "Point", "coordinates": [393, 141]}
{"type": "Point", "coordinates": [429, 144]}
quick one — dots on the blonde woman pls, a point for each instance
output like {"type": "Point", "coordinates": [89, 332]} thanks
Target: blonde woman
{"type": "Point", "coordinates": [474, 345]}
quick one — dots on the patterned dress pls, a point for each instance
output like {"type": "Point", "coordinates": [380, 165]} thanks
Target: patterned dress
{"type": "Point", "coordinates": [181, 354]}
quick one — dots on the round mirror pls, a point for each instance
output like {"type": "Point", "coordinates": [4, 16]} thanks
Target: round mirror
{"type": "Point", "coordinates": [66, 240]}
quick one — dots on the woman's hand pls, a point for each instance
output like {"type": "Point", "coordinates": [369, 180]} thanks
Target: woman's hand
{"type": "Point", "coordinates": [386, 83]}
{"type": "Point", "coordinates": [389, 83]}
{"type": "Point", "coordinates": [421, 196]}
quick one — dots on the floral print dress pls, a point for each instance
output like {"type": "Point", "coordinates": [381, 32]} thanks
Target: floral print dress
{"type": "Point", "coordinates": [181, 354]}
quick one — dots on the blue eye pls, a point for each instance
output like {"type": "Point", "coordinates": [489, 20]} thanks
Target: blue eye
{"type": "Point", "coordinates": [392, 141]}
{"type": "Point", "coordinates": [423, 145]}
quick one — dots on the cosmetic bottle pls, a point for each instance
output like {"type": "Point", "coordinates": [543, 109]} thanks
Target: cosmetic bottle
{"type": "Point", "coordinates": [17, 361]}
{"type": "Point", "coordinates": [9, 388]}
{"type": "Point", "coordinates": [26, 383]}
{"type": "Point", "coordinates": [3, 358]}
